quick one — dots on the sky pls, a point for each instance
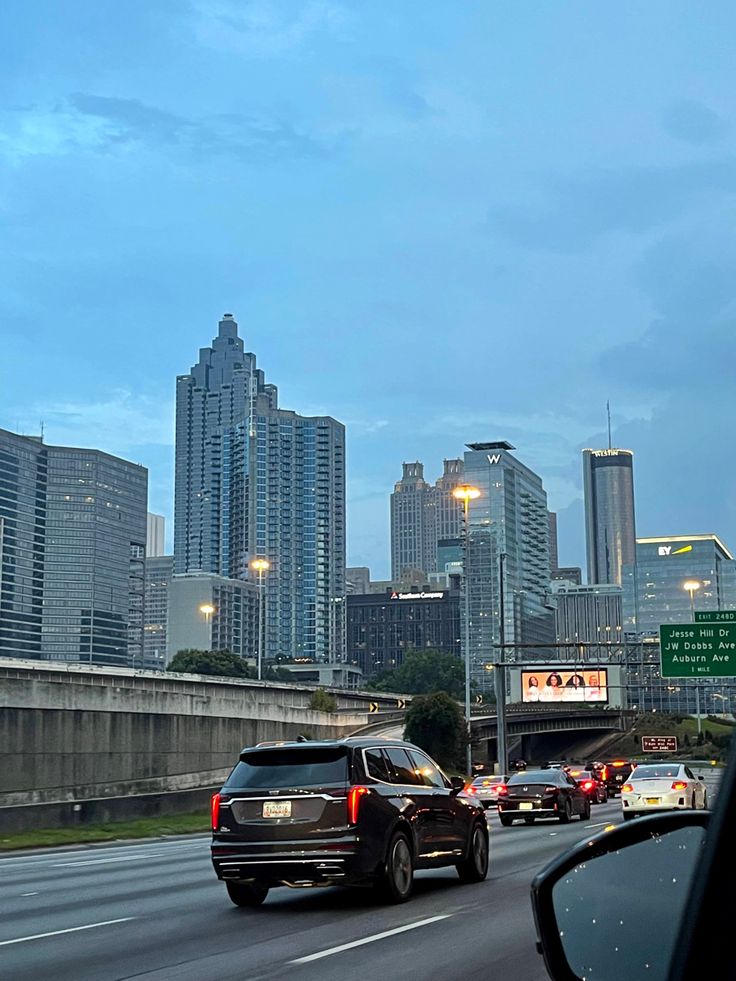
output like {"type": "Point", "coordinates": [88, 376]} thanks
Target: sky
{"type": "Point", "coordinates": [437, 222]}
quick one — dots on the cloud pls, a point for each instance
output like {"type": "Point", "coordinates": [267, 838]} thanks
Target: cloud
{"type": "Point", "coordinates": [122, 424]}
{"type": "Point", "coordinates": [263, 28]}
{"type": "Point", "coordinates": [693, 122]}
{"type": "Point", "coordinates": [632, 200]}
{"type": "Point", "coordinates": [105, 124]}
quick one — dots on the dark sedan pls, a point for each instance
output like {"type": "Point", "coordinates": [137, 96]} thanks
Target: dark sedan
{"type": "Point", "coordinates": [592, 784]}
{"type": "Point", "coordinates": [542, 794]}
{"type": "Point", "coordinates": [348, 812]}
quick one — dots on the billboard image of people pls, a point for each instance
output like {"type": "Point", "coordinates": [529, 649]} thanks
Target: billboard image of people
{"type": "Point", "coordinates": [549, 684]}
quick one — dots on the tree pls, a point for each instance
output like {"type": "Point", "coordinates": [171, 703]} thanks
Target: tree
{"type": "Point", "coordinates": [322, 701]}
{"type": "Point", "coordinates": [223, 663]}
{"type": "Point", "coordinates": [424, 672]}
{"type": "Point", "coordinates": [435, 723]}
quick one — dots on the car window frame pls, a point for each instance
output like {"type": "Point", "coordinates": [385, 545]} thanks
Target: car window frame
{"type": "Point", "coordinates": [398, 782]}
{"type": "Point", "coordinates": [382, 751]}
{"type": "Point", "coordinates": [416, 756]}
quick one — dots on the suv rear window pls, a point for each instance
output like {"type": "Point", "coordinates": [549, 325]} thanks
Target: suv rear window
{"type": "Point", "coordinates": [280, 768]}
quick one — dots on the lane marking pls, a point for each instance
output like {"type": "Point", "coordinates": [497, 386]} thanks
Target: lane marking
{"type": "Point", "coordinates": [24, 894]}
{"type": "Point", "coordinates": [105, 861]}
{"type": "Point", "coordinates": [603, 824]}
{"type": "Point", "coordinates": [56, 933]}
{"type": "Point", "coordinates": [369, 940]}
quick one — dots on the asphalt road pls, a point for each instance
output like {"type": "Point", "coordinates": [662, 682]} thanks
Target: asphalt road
{"type": "Point", "coordinates": [155, 911]}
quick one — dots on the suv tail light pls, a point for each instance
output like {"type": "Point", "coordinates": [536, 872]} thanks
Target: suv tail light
{"type": "Point", "coordinates": [354, 796]}
{"type": "Point", "coordinates": [679, 785]}
{"type": "Point", "coordinates": [215, 810]}
{"type": "Point", "coordinates": [627, 789]}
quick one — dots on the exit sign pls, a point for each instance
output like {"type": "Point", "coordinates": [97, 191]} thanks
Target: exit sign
{"type": "Point", "coordinates": [715, 616]}
{"type": "Point", "coordinates": [696, 650]}
{"type": "Point", "coordinates": [659, 744]}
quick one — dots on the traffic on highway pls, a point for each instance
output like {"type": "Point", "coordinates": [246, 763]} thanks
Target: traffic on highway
{"type": "Point", "coordinates": [155, 910]}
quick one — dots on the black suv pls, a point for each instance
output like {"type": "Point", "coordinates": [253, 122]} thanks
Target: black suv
{"type": "Point", "coordinates": [354, 811]}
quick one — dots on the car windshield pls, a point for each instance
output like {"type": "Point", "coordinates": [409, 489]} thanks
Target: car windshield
{"type": "Point", "coordinates": [653, 772]}
{"type": "Point", "coordinates": [367, 374]}
{"type": "Point", "coordinates": [292, 768]}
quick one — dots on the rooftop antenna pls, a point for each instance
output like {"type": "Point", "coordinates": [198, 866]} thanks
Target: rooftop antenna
{"type": "Point", "coordinates": [608, 412]}
{"type": "Point", "coordinates": [42, 430]}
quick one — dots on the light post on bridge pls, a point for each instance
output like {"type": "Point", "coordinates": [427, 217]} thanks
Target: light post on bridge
{"type": "Point", "coordinates": [467, 493]}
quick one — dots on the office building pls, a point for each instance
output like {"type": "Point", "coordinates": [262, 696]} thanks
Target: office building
{"type": "Point", "coordinates": [256, 481]}
{"type": "Point", "coordinates": [72, 545]}
{"type": "Point", "coordinates": [655, 593]}
{"type": "Point", "coordinates": [553, 544]}
{"type": "Point", "coordinates": [413, 523]}
{"type": "Point", "coordinates": [159, 571]}
{"type": "Point", "coordinates": [207, 612]}
{"type": "Point", "coordinates": [610, 529]}
{"type": "Point", "coordinates": [509, 520]}
{"type": "Point", "coordinates": [155, 535]}
{"type": "Point", "coordinates": [358, 580]}
{"type": "Point", "coordinates": [382, 629]}
{"type": "Point", "coordinates": [589, 615]}
{"type": "Point", "coordinates": [572, 575]}
{"type": "Point", "coordinates": [422, 514]}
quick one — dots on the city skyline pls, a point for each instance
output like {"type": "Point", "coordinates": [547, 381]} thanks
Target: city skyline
{"type": "Point", "coordinates": [405, 249]}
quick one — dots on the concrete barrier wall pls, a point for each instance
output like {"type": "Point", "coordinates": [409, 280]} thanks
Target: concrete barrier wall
{"type": "Point", "coordinates": [65, 730]}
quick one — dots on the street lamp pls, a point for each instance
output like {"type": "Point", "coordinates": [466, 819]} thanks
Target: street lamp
{"type": "Point", "coordinates": [208, 610]}
{"type": "Point", "coordinates": [467, 493]}
{"type": "Point", "coordinates": [261, 566]}
{"type": "Point", "coordinates": [692, 586]}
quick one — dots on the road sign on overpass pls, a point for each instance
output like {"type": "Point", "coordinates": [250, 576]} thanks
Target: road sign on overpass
{"type": "Point", "coordinates": [715, 616]}
{"type": "Point", "coordinates": [692, 650]}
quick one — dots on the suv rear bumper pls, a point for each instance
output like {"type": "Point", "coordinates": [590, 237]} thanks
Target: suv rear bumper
{"type": "Point", "coordinates": [295, 863]}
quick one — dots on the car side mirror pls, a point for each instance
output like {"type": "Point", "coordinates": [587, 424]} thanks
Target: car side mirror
{"type": "Point", "coordinates": [593, 906]}
{"type": "Point", "coordinates": [701, 778]}
{"type": "Point", "coordinates": [457, 784]}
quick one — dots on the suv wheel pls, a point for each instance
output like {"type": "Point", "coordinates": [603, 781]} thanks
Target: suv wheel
{"type": "Point", "coordinates": [246, 893]}
{"type": "Point", "coordinates": [506, 821]}
{"type": "Point", "coordinates": [396, 883]}
{"type": "Point", "coordinates": [585, 816]}
{"type": "Point", "coordinates": [474, 868]}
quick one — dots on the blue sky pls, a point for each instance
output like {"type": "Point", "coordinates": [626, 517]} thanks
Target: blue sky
{"type": "Point", "coordinates": [437, 222]}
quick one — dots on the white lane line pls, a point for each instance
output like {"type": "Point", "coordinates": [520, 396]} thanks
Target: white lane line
{"type": "Point", "coordinates": [56, 933]}
{"type": "Point", "coordinates": [24, 894]}
{"type": "Point", "coordinates": [603, 824]}
{"type": "Point", "coordinates": [369, 940]}
{"type": "Point", "coordinates": [106, 861]}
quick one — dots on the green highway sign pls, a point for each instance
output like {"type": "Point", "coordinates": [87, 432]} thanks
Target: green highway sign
{"type": "Point", "coordinates": [691, 650]}
{"type": "Point", "coordinates": [715, 616]}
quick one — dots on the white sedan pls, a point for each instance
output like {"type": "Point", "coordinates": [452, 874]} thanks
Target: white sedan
{"type": "Point", "coordinates": [662, 787]}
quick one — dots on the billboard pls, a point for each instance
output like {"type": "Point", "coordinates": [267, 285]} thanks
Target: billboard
{"type": "Point", "coordinates": [551, 684]}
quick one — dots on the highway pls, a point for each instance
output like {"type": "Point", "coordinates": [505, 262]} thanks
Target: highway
{"type": "Point", "coordinates": [154, 911]}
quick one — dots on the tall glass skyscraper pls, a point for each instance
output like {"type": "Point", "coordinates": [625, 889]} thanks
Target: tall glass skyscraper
{"type": "Point", "coordinates": [72, 547]}
{"type": "Point", "coordinates": [254, 480]}
{"type": "Point", "coordinates": [610, 529]}
{"type": "Point", "coordinates": [508, 519]}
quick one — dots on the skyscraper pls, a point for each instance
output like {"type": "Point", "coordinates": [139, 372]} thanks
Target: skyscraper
{"type": "Point", "coordinates": [423, 514]}
{"type": "Point", "coordinates": [155, 535]}
{"type": "Point", "coordinates": [253, 480]}
{"type": "Point", "coordinates": [413, 523]}
{"type": "Point", "coordinates": [72, 545]}
{"type": "Point", "coordinates": [610, 529]}
{"type": "Point", "coordinates": [508, 519]}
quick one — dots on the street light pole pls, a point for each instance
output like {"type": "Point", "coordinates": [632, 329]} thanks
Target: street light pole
{"type": "Point", "coordinates": [499, 677]}
{"type": "Point", "coordinates": [691, 586]}
{"type": "Point", "coordinates": [261, 566]}
{"type": "Point", "coordinates": [466, 494]}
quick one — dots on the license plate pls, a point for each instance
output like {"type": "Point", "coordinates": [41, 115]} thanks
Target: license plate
{"type": "Point", "coordinates": [526, 805]}
{"type": "Point", "coordinates": [652, 800]}
{"type": "Point", "coordinates": [277, 809]}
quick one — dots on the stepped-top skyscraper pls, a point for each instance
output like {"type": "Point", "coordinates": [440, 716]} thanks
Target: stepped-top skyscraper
{"type": "Point", "coordinates": [423, 514]}
{"type": "Point", "coordinates": [610, 529]}
{"type": "Point", "coordinates": [257, 481]}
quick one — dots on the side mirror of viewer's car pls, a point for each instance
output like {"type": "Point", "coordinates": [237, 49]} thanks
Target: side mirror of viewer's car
{"type": "Point", "coordinates": [610, 908]}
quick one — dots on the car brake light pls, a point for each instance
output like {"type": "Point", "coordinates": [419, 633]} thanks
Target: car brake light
{"type": "Point", "coordinates": [679, 785]}
{"type": "Point", "coordinates": [215, 810]}
{"type": "Point", "coordinates": [588, 785]}
{"type": "Point", "coordinates": [618, 763]}
{"type": "Point", "coordinates": [604, 773]}
{"type": "Point", "coordinates": [471, 790]}
{"type": "Point", "coordinates": [502, 789]}
{"type": "Point", "coordinates": [627, 789]}
{"type": "Point", "coordinates": [550, 790]}
{"type": "Point", "coordinates": [354, 795]}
